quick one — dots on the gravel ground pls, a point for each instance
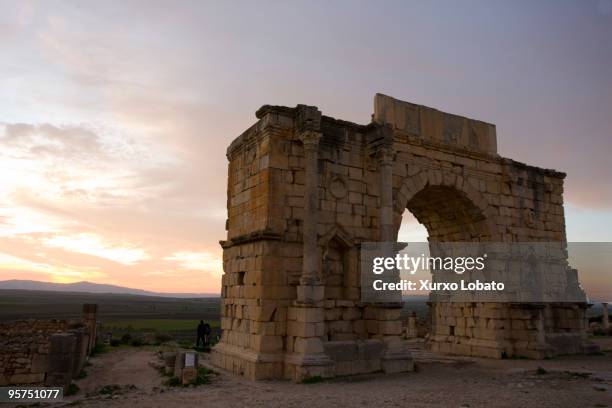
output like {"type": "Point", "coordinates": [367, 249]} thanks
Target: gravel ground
{"type": "Point", "coordinates": [572, 381]}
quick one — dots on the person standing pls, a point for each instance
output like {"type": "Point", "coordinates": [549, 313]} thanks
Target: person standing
{"type": "Point", "coordinates": [207, 332]}
{"type": "Point", "coordinates": [201, 335]}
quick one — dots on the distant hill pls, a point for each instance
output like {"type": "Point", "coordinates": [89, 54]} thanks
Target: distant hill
{"type": "Point", "coordinates": [90, 287]}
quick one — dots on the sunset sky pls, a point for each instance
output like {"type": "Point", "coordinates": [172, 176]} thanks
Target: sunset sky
{"type": "Point", "coordinates": [115, 116]}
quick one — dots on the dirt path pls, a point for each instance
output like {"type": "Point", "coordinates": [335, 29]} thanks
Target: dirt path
{"type": "Point", "coordinates": [574, 381]}
{"type": "Point", "coordinates": [124, 367]}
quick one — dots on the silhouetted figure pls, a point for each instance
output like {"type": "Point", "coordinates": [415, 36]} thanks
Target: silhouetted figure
{"type": "Point", "coordinates": [203, 334]}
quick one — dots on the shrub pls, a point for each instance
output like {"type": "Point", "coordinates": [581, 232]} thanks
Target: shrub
{"type": "Point", "coordinates": [115, 342]}
{"type": "Point", "coordinates": [313, 380]}
{"type": "Point", "coordinates": [173, 382]}
{"type": "Point", "coordinates": [163, 338]}
{"type": "Point", "coordinates": [110, 389]}
{"type": "Point", "coordinates": [602, 332]}
{"type": "Point", "coordinates": [98, 349]}
{"type": "Point", "coordinates": [71, 390]}
{"type": "Point", "coordinates": [137, 342]}
{"type": "Point", "coordinates": [126, 338]}
{"type": "Point", "coordinates": [204, 375]}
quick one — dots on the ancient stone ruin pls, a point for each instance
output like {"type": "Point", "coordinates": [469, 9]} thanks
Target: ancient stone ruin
{"type": "Point", "coordinates": [46, 352]}
{"type": "Point", "coordinates": [305, 190]}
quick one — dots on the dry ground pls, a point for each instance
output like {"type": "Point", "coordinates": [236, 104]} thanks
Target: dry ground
{"type": "Point", "coordinates": [572, 381]}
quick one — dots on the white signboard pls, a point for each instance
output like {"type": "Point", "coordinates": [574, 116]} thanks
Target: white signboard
{"type": "Point", "coordinates": [189, 359]}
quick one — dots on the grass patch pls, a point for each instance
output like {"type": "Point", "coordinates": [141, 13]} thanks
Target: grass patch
{"type": "Point", "coordinates": [137, 342]}
{"type": "Point", "coordinates": [98, 349]}
{"type": "Point", "coordinates": [541, 371]}
{"type": "Point", "coordinates": [163, 338]}
{"type": "Point", "coordinates": [173, 381]}
{"type": "Point", "coordinates": [204, 377]}
{"type": "Point", "coordinates": [109, 389]}
{"type": "Point", "coordinates": [313, 380]}
{"type": "Point", "coordinates": [162, 371]}
{"type": "Point", "coordinates": [577, 374]}
{"type": "Point", "coordinates": [114, 389]}
{"type": "Point", "coordinates": [72, 389]}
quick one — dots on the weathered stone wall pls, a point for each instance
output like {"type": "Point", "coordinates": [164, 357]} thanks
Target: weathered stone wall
{"type": "Point", "coordinates": [43, 352]}
{"type": "Point", "coordinates": [304, 190]}
{"type": "Point", "coordinates": [24, 350]}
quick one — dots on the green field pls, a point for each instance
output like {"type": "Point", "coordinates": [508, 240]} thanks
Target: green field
{"type": "Point", "coordinates": [158, 325]}
{"type": "Point", "coordinates": [118, 315]}
{"type": "Point", "coordinates": [26, 304]}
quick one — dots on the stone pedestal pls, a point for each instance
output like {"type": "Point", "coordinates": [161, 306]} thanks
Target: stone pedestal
{"type": "Point", "coordinates": [90, 312]}
{"type": "Point", "coordinates": [61, 360]}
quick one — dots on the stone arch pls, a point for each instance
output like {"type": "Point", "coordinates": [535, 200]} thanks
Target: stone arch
{"type": "Point", "coordinates": [285, 207]}
{"type": "Point", "coordinates": [447, 205]}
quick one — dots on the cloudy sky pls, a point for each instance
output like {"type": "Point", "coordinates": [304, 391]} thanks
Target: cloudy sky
{"type": "Point", "coordinates": [115, 116]}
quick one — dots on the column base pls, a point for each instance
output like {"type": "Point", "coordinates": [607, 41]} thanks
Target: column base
{"type": "Point", "coordinates": [397, 357]}
{"type": "Point", "coordinates": [248, 363]}
{"type": "Point", "coordinates": [300, 367]}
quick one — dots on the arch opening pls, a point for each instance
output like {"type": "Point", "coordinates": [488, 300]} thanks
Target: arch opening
{"type": "Point", "coordinates": [438, 214]}
{"type": "Point", "coordinates": [446, 214]}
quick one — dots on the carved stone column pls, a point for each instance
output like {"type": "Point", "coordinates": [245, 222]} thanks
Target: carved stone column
{"type": "Point", "coordinates": [310, 289]}
{"type": "Point", "coordinates": [385, 162]}
{"type": "Point", "coordinates": [306, 318]}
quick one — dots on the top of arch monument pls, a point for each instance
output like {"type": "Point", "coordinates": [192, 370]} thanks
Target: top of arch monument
{"type": "Point", "coordinates": [434, 125]}
{"type": "Point", "coordinates": [417, 124]}
{"type": "Point", "coordinates": [417, 120]}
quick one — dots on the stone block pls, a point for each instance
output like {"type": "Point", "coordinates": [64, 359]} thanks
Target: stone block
{"type": "Point", "coordinates": [372, 326]}
{"type": "Point", "coordinates": [337, 336]}
{"type": "Point", "coordinates": [333, 314]}
{"type": "Point", "coordinates": [359, 327]}
{"type": "Point", "coordinates": [341, 350]}
{"type": "Point", "coordinates": [351, 314]}
{"type": "Point", "coordinates": [309, 314]}
{"type": "Point", "coordinates": [390, 327]}
{"type": "Point", "coordinates": [299, 329]}
{"type": "Point", "coordinates": [389, 314]}
{"type": "Point", "coordinates": [267, 343]}
{"type": "Point", "coordinates": [371, 349]}
{"type": "Point", "coordinates": [40, 363]}
{"type": "Point", "coordinates": [310, 293]}
{"type": "Point", "coordinates": [311, 345]}
{"type": "Point", "coordinates": [29, 378]}
{"type": "Point", "coordinates": [342, 326]}
{"type": "Point", "coordinates": [343, 368]}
